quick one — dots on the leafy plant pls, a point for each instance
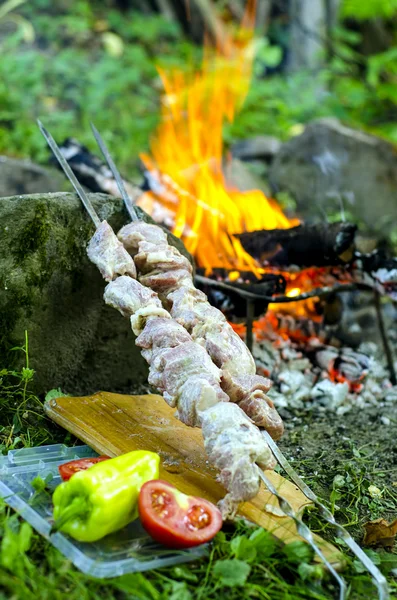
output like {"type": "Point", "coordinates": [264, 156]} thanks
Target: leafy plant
{"type": "Point", "coordinates": [368, 9]}
{"type": "Point", "coordinates": [105, 71]}
{"type": "Point", "coordinates": [23, 422]}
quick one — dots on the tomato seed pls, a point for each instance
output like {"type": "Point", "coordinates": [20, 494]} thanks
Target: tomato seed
{"type": "Point", "coordinates": [159, 502]}
{"type": "Point", "coordinates": [197, 518]}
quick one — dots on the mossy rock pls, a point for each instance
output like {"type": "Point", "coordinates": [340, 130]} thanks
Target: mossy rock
{"type": "Point", "coordinates": [49, 288]}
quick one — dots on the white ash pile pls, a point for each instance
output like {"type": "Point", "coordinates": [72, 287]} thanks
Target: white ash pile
{"type": "Point", "coordinates": [313, 376]}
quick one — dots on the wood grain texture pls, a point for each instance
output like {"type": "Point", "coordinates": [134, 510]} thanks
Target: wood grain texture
{"type": "Point", "coordinates": [114, 424]}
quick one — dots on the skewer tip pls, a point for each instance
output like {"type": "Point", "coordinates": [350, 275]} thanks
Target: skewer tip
{"type": "Point", "coordinates": [94, 129]}
{"type": "Point", "coordinates": [44, 131]}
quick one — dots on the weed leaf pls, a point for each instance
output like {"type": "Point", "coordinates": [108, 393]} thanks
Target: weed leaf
{"type": "Point", "coordinates": [231, 572]}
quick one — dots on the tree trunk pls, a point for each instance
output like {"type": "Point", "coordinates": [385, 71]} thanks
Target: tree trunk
{"type": "Point", "coordinates": [312, 22]}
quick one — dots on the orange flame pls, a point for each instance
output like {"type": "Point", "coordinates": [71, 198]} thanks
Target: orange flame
{"type": "Point", "coordinates": [187, 152]}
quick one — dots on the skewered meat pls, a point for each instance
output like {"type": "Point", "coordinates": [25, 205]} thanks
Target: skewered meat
{"type": "Point", "coordinates": [254, 383]}
{"type": "Point", "coordinates": [249, 391]}
{"type": "Point", "coordinates": [177, 368]}
{"type": "Point", "coordinates": [160, 256]}
{"type": "Point", "coordinates": [159, 334]}
{"type": "Point", "coordinates": [181, 362]}
{"type": "Point", "coordinates": [163, 269]}
{"type": "Point", "coordinates": [190, 381]}
{"type": "Point", "coordinates": [190, 307]}
{"type": "Point", "coordinates": [165, 282]}
{"type": "Point", "coordinates": [109, 254]}
{"type": "Point", "coordinates": [227, 349]}
{"type": "Point", "coordinates": [234, 445]}
{"type": "Point", "coordinates": [133, 300]}
{"type": "Point", "coordinates": [195, 397]}
{"type": "Point", "coordinates": [209, 328]}
{"type": "Point", "coordinates": [185, 371]}
{"type": "Point", "coordinates": [132, 234]}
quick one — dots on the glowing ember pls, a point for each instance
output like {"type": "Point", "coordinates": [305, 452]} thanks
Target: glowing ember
{"type": "Point", "coordinates": [337, 377]}
{"type": "Point", "coordinates": [187, 152]}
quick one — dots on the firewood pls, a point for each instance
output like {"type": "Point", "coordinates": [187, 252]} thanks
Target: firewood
{"type": "Point", "coordinates": [320, 244]}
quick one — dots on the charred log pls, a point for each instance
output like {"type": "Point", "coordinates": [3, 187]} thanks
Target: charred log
{"type": "Point", "coordinates": [320, 245]}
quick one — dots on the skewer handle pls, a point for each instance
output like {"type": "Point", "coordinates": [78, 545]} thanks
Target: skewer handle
{"type": "Point", "coordinates": [305, 532]}
{"type": "Point", "coordinates": [69, 174]}
{"type": "Point", "coordinates": [378, 578]}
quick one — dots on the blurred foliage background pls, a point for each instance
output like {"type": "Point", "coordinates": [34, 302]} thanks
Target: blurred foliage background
{"type": "Point", "coordinates": [72, 62]}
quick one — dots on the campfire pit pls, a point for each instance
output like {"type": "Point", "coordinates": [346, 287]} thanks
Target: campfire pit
{"type": "Point", "coordinates": [282, 278]}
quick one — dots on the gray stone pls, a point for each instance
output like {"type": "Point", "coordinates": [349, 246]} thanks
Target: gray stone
{"type": "Point", "coordinates": [259, 147]}
{"type": "Point", "coordinates": [24, 177]}
{"type": "Point", "coordinates": [49, 288]}
{"type": "Point", "coordinates": [242, 176]}
{"type": "Point", "coordinates": [331, 165]}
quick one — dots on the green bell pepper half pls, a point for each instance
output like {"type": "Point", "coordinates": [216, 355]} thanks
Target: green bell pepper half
{"type": "Point", "coordinates": [104, 498]}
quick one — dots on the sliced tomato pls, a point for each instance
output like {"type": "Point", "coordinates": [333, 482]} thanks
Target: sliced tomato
{"type": "Point", "coordinates": [81, 464]}
{"type": "Point", "coordinates": [174, 519]}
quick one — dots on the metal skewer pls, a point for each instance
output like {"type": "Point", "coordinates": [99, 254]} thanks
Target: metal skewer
{"type": "Point", "coordinates": [379, 579]}
{"type": "Point", "coordinates": [70, 175]}
{"type": "Point", "coordinates": [304, 532]}
{"type": "Point", "coordinates": [302, 529]}
{"type": "Point", "coordinates": [120, 184]}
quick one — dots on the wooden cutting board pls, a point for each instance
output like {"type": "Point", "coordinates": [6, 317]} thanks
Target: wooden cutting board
{"type": "Point", "coordinates": [113, 424]}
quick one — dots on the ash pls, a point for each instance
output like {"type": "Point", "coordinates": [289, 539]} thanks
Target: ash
{"type": "Point", "coordinates": [311, 376]}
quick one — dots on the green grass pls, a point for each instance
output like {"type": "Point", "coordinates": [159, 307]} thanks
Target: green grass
{"type": "Point", "coordinates": [244, 562]}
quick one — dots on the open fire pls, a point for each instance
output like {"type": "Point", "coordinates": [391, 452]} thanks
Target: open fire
{"type": "Point", "coordinates": [188, 189]}
{"type": "Point", "coordinates": [186, 165]}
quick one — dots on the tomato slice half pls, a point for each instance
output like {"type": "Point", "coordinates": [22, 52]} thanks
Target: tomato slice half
{"type": "Point", "coordinates": [81, 464]}
{"type": "Point", "coordinates": [174, 519]}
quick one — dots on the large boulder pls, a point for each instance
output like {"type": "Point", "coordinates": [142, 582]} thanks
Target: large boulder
{"type": "Point", "coordinates": [25, 177]}
{"type": "Point", "coordinates": [330, 165]}
{"type": "Point", "coordinates": [49, 288]}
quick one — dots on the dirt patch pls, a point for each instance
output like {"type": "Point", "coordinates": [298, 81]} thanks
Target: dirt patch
{"type": "Point", "coordinates": [359, 448]}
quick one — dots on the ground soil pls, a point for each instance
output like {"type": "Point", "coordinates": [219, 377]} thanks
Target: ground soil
{"type": "Point", "coordinates": [321, 446]}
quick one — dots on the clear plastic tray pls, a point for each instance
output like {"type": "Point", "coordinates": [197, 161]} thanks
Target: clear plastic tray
{"type": "Point", "coordinates": [126, 551]}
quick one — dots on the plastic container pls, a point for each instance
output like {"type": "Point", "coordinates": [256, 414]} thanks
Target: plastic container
{"type": "Point", "coordinates": [126, 551]}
